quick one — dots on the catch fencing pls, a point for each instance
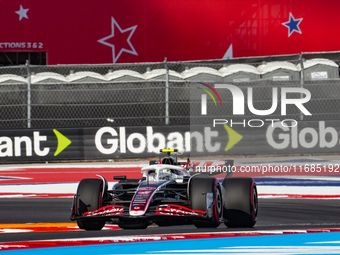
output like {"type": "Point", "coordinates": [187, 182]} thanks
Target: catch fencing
{"type": "Point", "coordinates": [155, 94]}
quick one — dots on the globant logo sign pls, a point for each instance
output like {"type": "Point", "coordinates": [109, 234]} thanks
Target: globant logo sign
{"type": "Point", "coordinates": [33, 144]}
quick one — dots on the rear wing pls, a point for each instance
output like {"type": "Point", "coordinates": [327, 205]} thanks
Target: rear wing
{"type": "Point", "coordinates": [168, 159]}
{"type": "Point", "coordinates": [225, 168]}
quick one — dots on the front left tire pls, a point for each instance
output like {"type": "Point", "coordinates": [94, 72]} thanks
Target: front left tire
{"type": "Point", "coordinates": [201, 188]}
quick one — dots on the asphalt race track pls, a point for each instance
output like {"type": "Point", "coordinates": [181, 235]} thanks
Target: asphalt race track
{"type": "Point", "coordinates": [274, 214]}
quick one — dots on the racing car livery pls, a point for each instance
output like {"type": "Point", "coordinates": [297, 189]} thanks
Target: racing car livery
{"type": "Point", "coordinates": [169, 193]}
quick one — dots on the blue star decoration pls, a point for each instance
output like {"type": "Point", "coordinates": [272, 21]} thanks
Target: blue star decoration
{"type": "Point", "coordinates": [293, 25]}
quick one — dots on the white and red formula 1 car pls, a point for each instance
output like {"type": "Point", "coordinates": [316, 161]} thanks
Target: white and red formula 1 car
{"type": "Point", "coordinates": [169, 193]}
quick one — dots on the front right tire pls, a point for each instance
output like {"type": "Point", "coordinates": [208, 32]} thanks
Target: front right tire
{"type": "Point", "coordinates": [89, 198]}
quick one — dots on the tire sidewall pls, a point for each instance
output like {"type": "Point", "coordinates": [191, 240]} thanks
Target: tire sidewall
{"type": "Point", "coordinates": [89, 195]}
{"type": "Point", "coordinates": [199, 187]}
{"type": "Point", "coordinates": [89, 198]}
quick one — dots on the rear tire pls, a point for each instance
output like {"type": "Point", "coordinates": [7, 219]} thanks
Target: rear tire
{"type": "Point", "coordinates": [89, 198]}
{"type": "Point", "coordinates": [241, 202]}
{"type": "Point", "coordinates": [199, 188]}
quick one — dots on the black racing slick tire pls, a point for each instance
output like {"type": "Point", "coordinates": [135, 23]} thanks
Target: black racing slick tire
{"type": "Point", "coordinates": [200, 188]}
{"type": "Point", "coordinates": [241, 202]}
{"type": "Point", "coordinates": [89, 198]}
